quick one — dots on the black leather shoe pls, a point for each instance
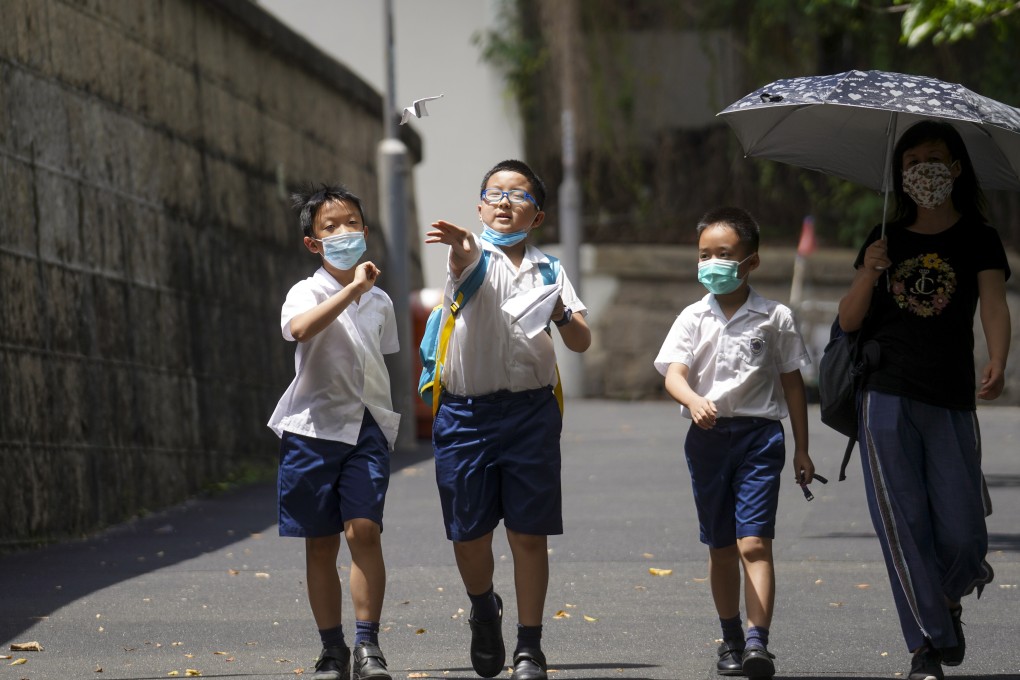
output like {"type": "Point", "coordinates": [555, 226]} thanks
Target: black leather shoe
{"type": "Point", "coordinates": [953, 656]}
{"type": "Point", "coordinates": [334, 663]}
{"type": "Point", "coordinates": [730, 659]}
{"type": "Point", "coordinates": [529, 664]}
{"type": "Point", "coordinates": [757, 663]}
{"type": "Point", "coordinates": [488, 654]}
{"type": "Point", "coordinates": [926, 665]}
{"type": "Point", "coordinates": [369, 663]}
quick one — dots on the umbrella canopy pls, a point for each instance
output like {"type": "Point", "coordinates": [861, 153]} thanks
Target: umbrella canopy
{"type": "Point", "coordinates": [846, 124]}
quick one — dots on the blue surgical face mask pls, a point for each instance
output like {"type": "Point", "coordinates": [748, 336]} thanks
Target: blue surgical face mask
{"type": "Point", "coordinates": [498, 238]}
{"type": "Point", "coordinates": [343, 250]}
{"type": "Point", "coordinates": [721, 276]}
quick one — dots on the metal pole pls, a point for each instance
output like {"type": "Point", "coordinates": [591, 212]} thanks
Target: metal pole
{"type": "Point", "coordinates": [392, 168]}
{"type": "Point", "coordinates": [571, 364]}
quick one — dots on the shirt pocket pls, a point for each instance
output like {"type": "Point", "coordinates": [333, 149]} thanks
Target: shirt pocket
{"type": "Point", "coordinates": [754, 348]}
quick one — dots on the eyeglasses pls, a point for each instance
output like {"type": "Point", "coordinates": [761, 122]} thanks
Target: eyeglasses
{"type": "Point", "coordinates": [494, 196]}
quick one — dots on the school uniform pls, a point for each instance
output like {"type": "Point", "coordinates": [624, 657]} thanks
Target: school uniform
{"type": "Point", "coordinates": [736, 363]}
{"type": "Point", "coordinates": [336, 420]}
{"type": "Point", "coordinates": [496, 434]}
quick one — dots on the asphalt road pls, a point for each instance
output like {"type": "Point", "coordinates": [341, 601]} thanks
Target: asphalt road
{"type": "Point", "coordinates": [209, 586]}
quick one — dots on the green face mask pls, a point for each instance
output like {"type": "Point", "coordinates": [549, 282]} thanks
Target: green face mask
{"type": "Point", "coordinates": [720, 276]}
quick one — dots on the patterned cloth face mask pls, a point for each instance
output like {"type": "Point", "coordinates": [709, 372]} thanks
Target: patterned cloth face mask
{"type": "Point", "coordinates": [343, 250]}
{"type": "Point", "coordinates": [929, 184]}
{"type": "Point", "coordinates": [721, 276]}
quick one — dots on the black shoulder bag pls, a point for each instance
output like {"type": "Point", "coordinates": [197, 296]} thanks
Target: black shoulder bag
{"type": "Point", "coordinates": [845, 363]}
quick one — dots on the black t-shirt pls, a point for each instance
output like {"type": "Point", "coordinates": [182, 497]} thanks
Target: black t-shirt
{"type": "Point", "coordinates": [924, 319]}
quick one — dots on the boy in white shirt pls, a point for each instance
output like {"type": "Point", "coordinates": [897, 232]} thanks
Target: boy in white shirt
{"type": "Point", "coordinates": [496, 434]}
{"type": "Point", "coordinates": [337, 428]}
{"type": "Point", "coordinates": [733, 362]}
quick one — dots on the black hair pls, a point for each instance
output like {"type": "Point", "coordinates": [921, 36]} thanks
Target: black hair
{"type": "Point", "coordinates": [737, 219]}
{"type": "Point", "coordinates": [967, 195]}
{"type": "Point", "coordinates": [521, 168]}
{"type": "Point", "coordinates": [308, 201]}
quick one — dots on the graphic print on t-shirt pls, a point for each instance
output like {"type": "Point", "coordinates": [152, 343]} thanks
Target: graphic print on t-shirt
{"type": "Point", "coordinates": [924, 285]}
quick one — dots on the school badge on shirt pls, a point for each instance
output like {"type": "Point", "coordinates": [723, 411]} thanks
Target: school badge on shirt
{"type": "Point", "coordinates": [756, 345]}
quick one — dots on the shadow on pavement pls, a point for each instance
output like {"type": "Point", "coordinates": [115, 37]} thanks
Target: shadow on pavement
{"type": "Point", "coordinates": [49, 578]}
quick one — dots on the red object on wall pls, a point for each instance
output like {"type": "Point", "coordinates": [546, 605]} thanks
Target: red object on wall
{"type": "Point", "coordinates": [422, 303]}
{"type": "Point", "coordinates": [807, 243]}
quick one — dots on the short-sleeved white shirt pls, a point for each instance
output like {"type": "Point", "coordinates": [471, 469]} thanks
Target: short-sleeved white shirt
{"type": "Point", "coordinates": [487, 353]}
{"type": "Point", "coordinates": [736, 363]}
{"type": "Point", "coordinates": [340, 372]}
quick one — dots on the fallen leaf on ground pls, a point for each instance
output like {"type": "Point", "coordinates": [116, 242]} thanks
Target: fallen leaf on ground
{"type": "Point", "coordinates": [233, 572]}
{"type": "Point", "coordinates": [99, 669]}
{"type": "Point", "coordinates": [420, 631]}
{"type": "Point", "coordinates": [590, 618]}
{"type": "Point", "coordinates": [863, 586]}
{"type": "Point", "coordinates": [26, 647]}
{"type": "Point", "coordinates": [699, 580]}
{"type": "Point", "coordinates": [221, 653]}
{"type": "Point", "coordinates": [561, 615]}
{"type": "Point", "coordinates": [174, 674]}
{"type": "Point", "coordinates": [647, 555]}
{"type": "Point", "coordinates": [659, 572]}
{"type": "Point", "coordinates": [192, 673]}
{"type": "Point", "coordinates": [18, 662]}
{"type": "Point", "coordinates": [261, 574]}
{"type": "Point", "coordinates": [835, 604]}
{"type": "Point", "coordinates": [569, 606]}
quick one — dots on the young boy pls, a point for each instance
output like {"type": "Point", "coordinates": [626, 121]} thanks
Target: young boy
{"type": "Point", "coordinates": [337, 426]}
{"type": "Point", "coordinates": [497, 431]}
{"type": "Point", "coordinates": [733, 362]}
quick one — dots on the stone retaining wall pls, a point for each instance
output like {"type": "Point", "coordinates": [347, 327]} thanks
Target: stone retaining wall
{"type": "Point", "coordinates": [146, 244]}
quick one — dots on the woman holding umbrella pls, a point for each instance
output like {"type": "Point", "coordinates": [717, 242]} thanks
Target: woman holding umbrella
{"type": "Point", "coordinates": [915, 293]}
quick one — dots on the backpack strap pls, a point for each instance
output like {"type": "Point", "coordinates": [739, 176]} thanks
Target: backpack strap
{"type": "Point", "coordinates": [460, 298]}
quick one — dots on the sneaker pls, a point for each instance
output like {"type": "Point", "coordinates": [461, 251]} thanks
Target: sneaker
{"type": "Point", "coordinates": [529, 664]}
{"type": "Point", "coordinates": [334, 663]}
{"type": "Point", "coordinates": [756, 662]}
{"type": "Point", "coordinates": [369, 663]}
{"type": "Point", "coordinates": [926, 665]}
{"type": "Point", "coordinates": [953, 656]}
{"type": "Point", "coordinates": [730, 659]}
{"type": "Point", "coordinates": [488, 654]}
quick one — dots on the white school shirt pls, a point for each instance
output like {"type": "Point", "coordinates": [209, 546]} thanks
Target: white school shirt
{"type": "Point", "coordinates": [487, 353]}
{"type": "Point", "coordinates": [340, 372]}
{"type": "Point", "coordinates": [736, 363]}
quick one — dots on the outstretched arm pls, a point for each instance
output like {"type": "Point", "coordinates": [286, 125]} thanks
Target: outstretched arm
{"type": "Point", "coordinates": [702, 410]}
{"type": "Point", "coordinates": [463, 251]}
{"type": "Point", "coordinates": [996, 325]}
{"type": "Point", "coordinates": [307, 325]}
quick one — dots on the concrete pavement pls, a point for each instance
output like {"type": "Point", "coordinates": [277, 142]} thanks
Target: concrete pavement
{"type": "Point", "coordinates": [209, 586]}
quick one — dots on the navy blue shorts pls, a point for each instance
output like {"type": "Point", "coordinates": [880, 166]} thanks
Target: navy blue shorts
{"type": "Point", "coordinates": [324, 483]}
{"type": "Point", "coordinates": [735, 469]}
{"type": "Point", "coordinates": [498, 457]}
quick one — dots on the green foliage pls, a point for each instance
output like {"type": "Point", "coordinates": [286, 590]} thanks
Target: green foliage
{"type": "Point", "coordinates": [950, 21]}
{"type": "Point", "coordinates": [520, 54]}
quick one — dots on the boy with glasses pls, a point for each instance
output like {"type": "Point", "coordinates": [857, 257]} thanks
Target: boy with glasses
{"type": "Point", "coordinates": [496, 433]}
